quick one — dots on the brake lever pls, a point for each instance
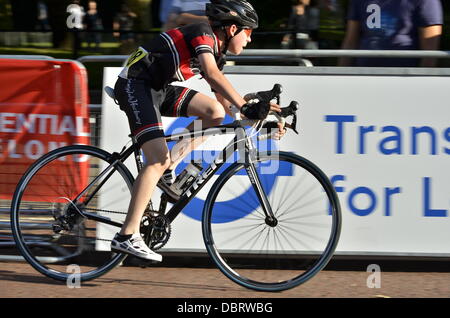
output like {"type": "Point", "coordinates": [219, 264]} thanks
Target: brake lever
{"type": "Point", "coordinates": [276, 91]}
{"type": "Point", "coordinates": [267, 96]}
{"type": "Point", "coordinates": [291, 110]}
{"type": "Point", "coordinates": [293, 125]}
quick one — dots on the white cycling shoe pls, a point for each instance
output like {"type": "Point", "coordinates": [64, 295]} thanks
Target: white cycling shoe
{"type": "Point", "coordinates": [135, 246]}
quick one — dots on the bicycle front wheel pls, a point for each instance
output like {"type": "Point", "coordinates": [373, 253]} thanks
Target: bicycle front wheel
{"type": "Point", "coordinates": [47, 228]}
{"type": "Point", "coordinates": [269, 256]}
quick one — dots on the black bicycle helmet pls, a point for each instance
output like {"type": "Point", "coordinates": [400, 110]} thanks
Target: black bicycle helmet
{"type": "Point", "coordinates": [227, 12]}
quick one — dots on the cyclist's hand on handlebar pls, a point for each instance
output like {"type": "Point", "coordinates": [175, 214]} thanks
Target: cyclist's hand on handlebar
{"type": "Point", "coordinates": [259, 104]}
{"type": "Point", "coordinates": [281, 125]}
{"type": "Point", "coordinates": [281, 131]}
{"type": "Point", "coordinates": [275, 108]}
{"type": "Point", "coordinates": [258, 110]}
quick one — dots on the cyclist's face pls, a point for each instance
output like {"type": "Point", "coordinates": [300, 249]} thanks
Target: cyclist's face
{"type": "Point", "coordinates": [240, 40]}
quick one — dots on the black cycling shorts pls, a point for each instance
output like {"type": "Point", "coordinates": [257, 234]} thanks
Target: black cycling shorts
{"type": "Point", "coordinates": [145, 106]}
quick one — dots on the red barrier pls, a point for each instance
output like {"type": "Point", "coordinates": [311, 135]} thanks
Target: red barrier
{"type": "Point", "coordinates": [43, 106]}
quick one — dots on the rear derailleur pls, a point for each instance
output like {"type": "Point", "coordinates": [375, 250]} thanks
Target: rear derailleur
{"type": "Point", "coordinates": [66, 218]}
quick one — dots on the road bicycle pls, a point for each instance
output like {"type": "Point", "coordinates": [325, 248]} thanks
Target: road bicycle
{"type": "Point", "coordinates": [271, 220]}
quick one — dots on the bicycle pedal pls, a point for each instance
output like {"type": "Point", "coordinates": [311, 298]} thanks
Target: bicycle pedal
{"type": "Point", "coordinates": [171, 196]}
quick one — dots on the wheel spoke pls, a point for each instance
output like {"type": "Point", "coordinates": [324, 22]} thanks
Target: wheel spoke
{"type": "Point", "coordinates": [305, 194]}
{"type": "Point", "coordinates": [294, 188]}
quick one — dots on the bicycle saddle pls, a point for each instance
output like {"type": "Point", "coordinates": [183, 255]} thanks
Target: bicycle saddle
{"type": "Point", "coordinates": [110, 92]}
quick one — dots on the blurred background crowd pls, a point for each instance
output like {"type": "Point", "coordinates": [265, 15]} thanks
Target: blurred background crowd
{"type": "Point", "coordinates": [76, 28]}
{"type": "Point", "coordinates": [113, 26]}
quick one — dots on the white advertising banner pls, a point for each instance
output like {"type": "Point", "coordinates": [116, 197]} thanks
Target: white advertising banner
{"type": "Point", "coordinates": [384, 141]}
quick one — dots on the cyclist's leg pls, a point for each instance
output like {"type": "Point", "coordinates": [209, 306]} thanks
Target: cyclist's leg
{"type": "Point", "coordinates": [140, 105]}
{"type": "Point", "coordinates": [208, 110]}
{"type": "Point", "coordinates": [157, 161]}
{"type": "Point", "coordinates": [185, 102]}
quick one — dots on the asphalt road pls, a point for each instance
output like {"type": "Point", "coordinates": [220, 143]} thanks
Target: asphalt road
{"type": "Point", "coordinates": [21, 280]}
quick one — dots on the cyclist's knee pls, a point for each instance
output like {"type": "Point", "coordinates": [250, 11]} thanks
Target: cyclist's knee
{"type": "Point", "coordinates": [160, 161]}
{"type": "Point", "coordinates": [157, 167]}
{"type": "Point", "coordinates": [216, 113]}
{"type": "Point", "coordinates": [162, 166]}
{"type": "Point", "coordinates": [156, 154]}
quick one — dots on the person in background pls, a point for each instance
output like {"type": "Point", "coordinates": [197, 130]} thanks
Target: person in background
{"type": "Point", "coordinates": [159, 12]}
{"type": "Point", "coordinates": [124, 21]}
{"type": "Point", "coordinates": [164, 10]}
{"type": "Point", "coordinates": [92, 22]}
{"type": "Point", "coordinates": [313, 23]}
{"type": "Point", "coordinates": [185, 12]}
{"type": "Point", "coordinates": [42, 17]}
{"type": "Point", "coordinates": [300, 21]}
{"type": "Point", "coordinates": [393, 25]}
{"type": "Point", "coordinates": [331, 5]}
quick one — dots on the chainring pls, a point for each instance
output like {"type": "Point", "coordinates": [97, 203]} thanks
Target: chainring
{"type": "Point", "coordinates": [156, 229]}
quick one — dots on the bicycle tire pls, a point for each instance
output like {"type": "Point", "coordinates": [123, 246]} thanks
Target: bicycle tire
{"type": "Point", "coordinates": [28, 240]}
{"type": "Point", "coordinates": [228, 259]}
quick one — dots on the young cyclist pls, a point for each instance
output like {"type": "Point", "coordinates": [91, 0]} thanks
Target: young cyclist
{"type": "Point", "coordinates": [144, 93]}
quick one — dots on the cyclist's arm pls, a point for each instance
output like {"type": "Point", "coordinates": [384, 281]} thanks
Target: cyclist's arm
{"type": "Point", "coordinates": [225, 103]}
{"type": "Point", "coordinates": [226, 93]}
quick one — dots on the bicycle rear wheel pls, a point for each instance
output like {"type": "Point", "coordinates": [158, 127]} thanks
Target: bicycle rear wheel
{"type": "Point", "coordinates": [48, 230]}
{"type": "Point", "coordinates": [272, 257]}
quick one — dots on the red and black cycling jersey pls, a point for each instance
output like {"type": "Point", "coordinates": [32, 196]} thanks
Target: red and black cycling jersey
{"type": "Point", "coordinates": [173, 55]}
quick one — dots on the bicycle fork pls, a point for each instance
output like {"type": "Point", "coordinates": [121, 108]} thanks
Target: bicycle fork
{"type": "Point", "coordinates": [253, 175]}
{"type": "Point", "coordinates": [250, 154]}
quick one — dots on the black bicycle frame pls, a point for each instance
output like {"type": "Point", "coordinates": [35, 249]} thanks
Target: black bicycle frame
{"type": "Point", "coordinates": [201, 179]}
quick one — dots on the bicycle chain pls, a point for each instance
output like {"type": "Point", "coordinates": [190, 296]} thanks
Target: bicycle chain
{"type": "Point", "coordinates": [85, 237]}
{"type": "Point", "coordinates": [96, 210]}
{"type": "Point", "coordinates": [106, 211]}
